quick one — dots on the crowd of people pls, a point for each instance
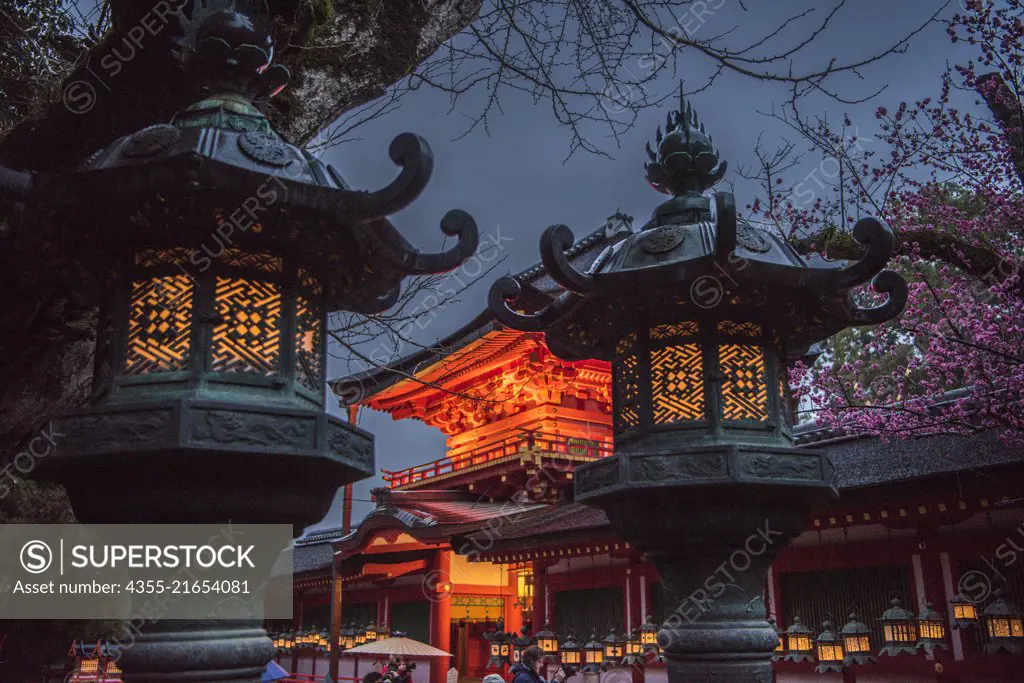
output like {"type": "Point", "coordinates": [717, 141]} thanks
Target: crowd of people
{"type": "Point", "coordinates": [526, 670]}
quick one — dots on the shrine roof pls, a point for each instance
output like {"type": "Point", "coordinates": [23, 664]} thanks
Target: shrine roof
{"type": "Point", "coordinates": [425, 515]}
{"type": "Point", "coordinates": [358, 387]}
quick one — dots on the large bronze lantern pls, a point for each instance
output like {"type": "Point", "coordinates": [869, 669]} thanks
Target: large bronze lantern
{"type": "Point", "coordinates": [700, 315]}
{"type": "Point", "coordinates": [216, 250]}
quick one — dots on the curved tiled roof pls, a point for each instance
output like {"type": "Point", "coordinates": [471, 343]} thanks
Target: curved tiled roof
{"type": "Point", "coordinates": [375, 380]}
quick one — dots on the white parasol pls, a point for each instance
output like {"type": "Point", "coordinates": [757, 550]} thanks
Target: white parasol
{"type": "Point", "coordinates": [401, 647]}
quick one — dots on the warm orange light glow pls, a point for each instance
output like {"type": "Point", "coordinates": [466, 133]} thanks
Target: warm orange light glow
{"type": "Point", "coordinates": [1005, 627]}
{"type": "Point", "coordinates": [830, 652]}
{"type": "Point", "coordinates": [570, 656]}
{"type": "Point", "coordinates": [744, 392]}
{"type": "Point", "coordinates": [964, 611]}
{"type": "Point", "coordinates": [900, 633]}
{"type": "Point", "coordinates": [677, 384]}
{"type": "Point", "coordinates": [800, 643]}
{"type": "Point", "coordinates": [935, 630]}
{"type": "Point", "coordinates": [248, 336]}
{"type": "Point", "coordinates": [857, 643]}
{"type": "Point", "coordinates": [159, 325]}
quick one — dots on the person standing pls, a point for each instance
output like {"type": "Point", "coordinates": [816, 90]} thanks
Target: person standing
{"type": "Point", "coordinates": [527, 670]}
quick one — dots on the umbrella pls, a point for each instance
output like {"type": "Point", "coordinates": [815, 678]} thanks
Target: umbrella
{"type": "Point", "coordinates": [402, 647]}
{"type": "Point", "coordinates": [273, 672]}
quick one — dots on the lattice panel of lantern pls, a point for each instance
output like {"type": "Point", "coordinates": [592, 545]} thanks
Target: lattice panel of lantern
{"type": "Point", "coordinates": [248, 336]}
{"type": "Point", "coordinates": [744, 390]}
{"type": "Point", "coordinates": [677, 384]}
{"type": "Point", "coordinates": [159, 325]}
{"type": "Point", "coordinates": [698, 374]}
{"type": "Point", "coordinates": [626, 385]}
{"type": "Point", "coordinates": [309, 336]}
{"type": "Point", "coordinates": [179, 311]}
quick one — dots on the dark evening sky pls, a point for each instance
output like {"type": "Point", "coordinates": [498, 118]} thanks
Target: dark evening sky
{"type": "Point", "coordinates": [516, 180]}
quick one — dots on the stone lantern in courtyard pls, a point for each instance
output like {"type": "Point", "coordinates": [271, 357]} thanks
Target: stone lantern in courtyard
{"type": "Point", "coordinates": [700, 315]}
{"type": "Point", "coordinates": [220, 249]}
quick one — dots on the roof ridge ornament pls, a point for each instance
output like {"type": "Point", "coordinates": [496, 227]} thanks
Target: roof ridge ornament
{"type": "Point", "coordinates": [229, 46]}
{"type": "Point", "coordinates": [686, 162]}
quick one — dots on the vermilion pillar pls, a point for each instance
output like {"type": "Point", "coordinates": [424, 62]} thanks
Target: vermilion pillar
{"type": "Point", "coordinates": [441, 615]}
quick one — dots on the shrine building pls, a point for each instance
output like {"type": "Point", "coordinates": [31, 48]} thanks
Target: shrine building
{"type": "Point", "coordinates": [490, 531]}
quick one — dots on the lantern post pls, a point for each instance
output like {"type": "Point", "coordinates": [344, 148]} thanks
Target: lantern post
{"type": "Point", "coordinates": [700, 315]}
{"type": "Point", "coordinates": [216, 250]}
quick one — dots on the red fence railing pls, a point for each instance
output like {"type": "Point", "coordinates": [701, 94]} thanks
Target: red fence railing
{"type": "Point", "coordinates": [580, 447]}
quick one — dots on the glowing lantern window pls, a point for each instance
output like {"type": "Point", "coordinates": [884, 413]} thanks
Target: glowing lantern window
{"type": "Point", "coordinates": [371, 633]}
{"type": "Point", "coordinates": [159, 325]}
{"type": "Point", "coordinates": [661, 376]}
{"type": "Point", "coordinates": [965, 613]}
{"type": "Point", "coordinates": [229, 318]}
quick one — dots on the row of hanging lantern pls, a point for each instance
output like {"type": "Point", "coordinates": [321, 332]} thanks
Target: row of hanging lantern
{"type": "Point", "coordinates": [289, 641]}
{"type": "Point", "coordinates": [596, 655]}
{"type": "Point", "coordinates": [902, 633]}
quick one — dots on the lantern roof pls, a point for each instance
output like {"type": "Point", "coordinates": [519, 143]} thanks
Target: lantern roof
{"type": "Point", "coordinates": [546, 632]}
{"type": "Point", "coordinates": [897, 612]}
{"type": "Point", "coordinates": [929, 613]}
{"type": "Point", "coordinates": [569, 643]}
{"type": "Point", "coordinates": [827, 635]}
{"type": "Point", "coordinates": [695, 255]}
{"type": "Point", "coordinates": [220, 172]}
{"type": "Point", "coordinates": [855, 627]}
{"type": "Point", "coordinates": [1000, 606]}
{"type": "Point", "coordinates": [613, 638]}
{"type": "Point", "coordinates": [797, 628]}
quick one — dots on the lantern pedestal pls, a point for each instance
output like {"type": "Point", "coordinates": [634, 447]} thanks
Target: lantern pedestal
{"type": "Point", "coordinates": [712, 542]}
{"type": "Point", "coordinates": [197, 651]}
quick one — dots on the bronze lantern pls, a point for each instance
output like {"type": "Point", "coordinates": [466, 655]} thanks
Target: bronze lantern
{"type": "Point", "coordinates": [1004, 626]}
{"type": "Point", "coordinates": [800, 647]}
{"type": "Point", "coordinates": [899, 628]}
{"type": "Point", "coordinates": [931, 629]}
{"type": "Point", "coordinates": [965, 612]}
{"type": "Point", "coordinates": [829, 648]}
{"type": "Point", "coordinates": [700, 315]}
{"type": "Point", "coordinates": [856, 642]}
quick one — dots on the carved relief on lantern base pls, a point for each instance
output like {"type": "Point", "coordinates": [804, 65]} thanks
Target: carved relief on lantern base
{"type": "Point", "coordinates": [698, 466]}
{"type": "Point", "coordinates": [192, 460]}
